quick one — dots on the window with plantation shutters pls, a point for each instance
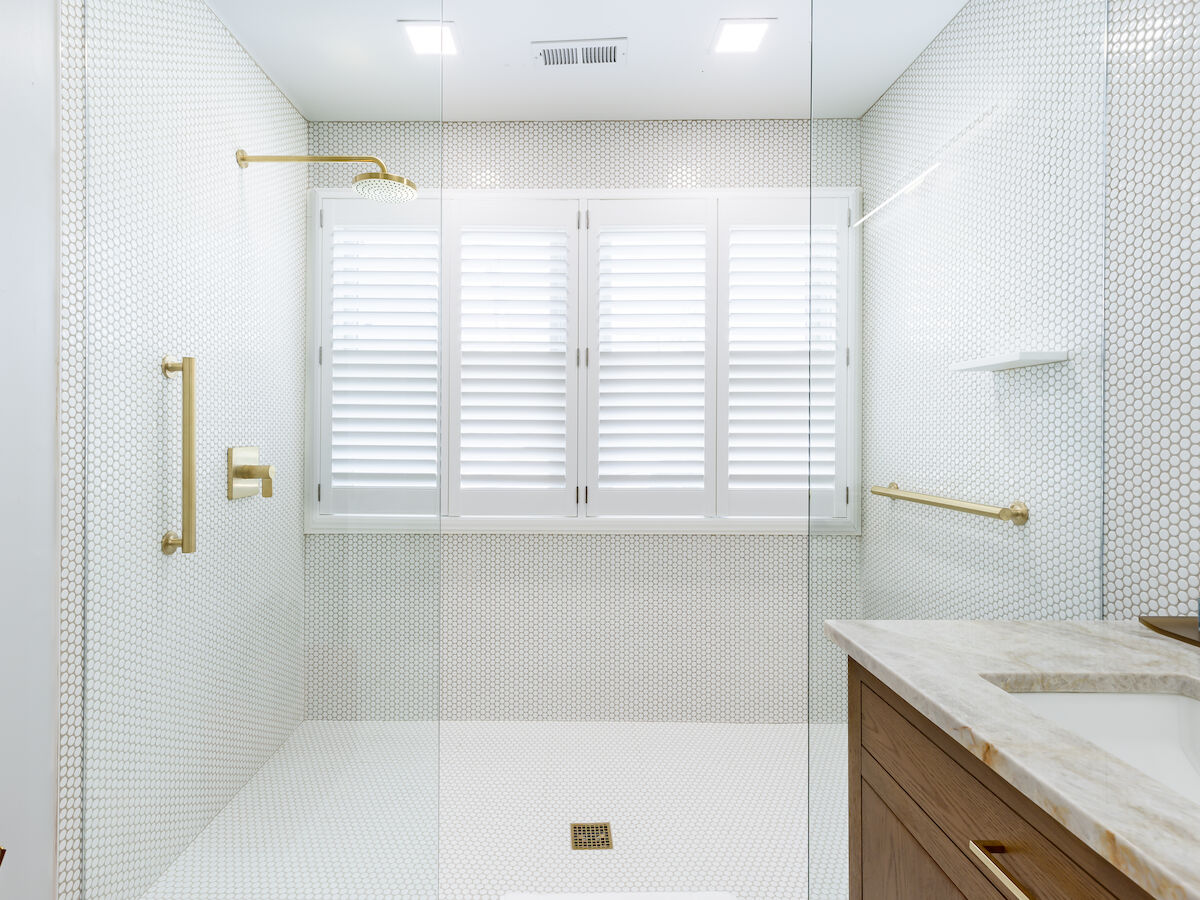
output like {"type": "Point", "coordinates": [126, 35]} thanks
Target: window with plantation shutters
{"type": "Point", "coordinates": [522, 361]}
{"type": "Point", "coordinates": [378, 359]}
{"type": "Point", "coordinates": [785, 376]}
{"type": "Point", "coordinates": [513, 291]}
{"type": "Point", "coordinates": [651, 292]}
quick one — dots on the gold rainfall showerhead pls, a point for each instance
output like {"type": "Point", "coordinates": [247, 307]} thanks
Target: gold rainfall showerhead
{"type": "Point", "coordinates": [382, 185]}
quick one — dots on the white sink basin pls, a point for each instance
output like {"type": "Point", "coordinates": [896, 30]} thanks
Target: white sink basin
{"type": "Point", "coordinates": [1157, 733]}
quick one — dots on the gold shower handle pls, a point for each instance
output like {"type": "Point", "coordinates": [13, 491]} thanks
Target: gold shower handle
{"type": "Point", "coordinates": [245, 476]}
{"type": "Point", "coordinates": [265, 474]}
{"type": "Point", "coordinates": [185, 542]}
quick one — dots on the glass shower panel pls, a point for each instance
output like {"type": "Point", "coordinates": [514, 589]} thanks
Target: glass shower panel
{"type": "Point", "coordinates": [975, 134]}
{"type": "Point", "coordinates": [262, 587]}
{"type": "Point", "coordinates": [623, 643]}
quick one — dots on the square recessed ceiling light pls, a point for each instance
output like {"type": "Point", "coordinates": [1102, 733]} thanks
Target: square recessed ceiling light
{"type": "Point", "coordinates": [431, 38]}
{"type": "Point", "coordinates": [740, 35]}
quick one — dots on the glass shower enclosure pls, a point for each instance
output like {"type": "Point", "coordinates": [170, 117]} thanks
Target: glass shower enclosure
{"type": "Point", "coordinates": [480, 546]}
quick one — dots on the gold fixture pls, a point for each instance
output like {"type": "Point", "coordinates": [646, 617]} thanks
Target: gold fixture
{"type": "Point", "coordinates": [983, 851]}
{"type": "Point", "coordinates": [244, 474]}
{"type": "Point", "coordinates": [187, 541]}
{"type": "Point", "coordinates": [1181, 628]}
{"type": "Point", "coordinates": [591, 836]}
{"type": "Point", "coordinates": [1018, 513]}
{"type": "Point", "coordinates": [381, 185]}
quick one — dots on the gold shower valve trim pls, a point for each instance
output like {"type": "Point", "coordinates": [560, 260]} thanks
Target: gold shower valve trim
{"type": "Point", "coordinates": [245, 476]}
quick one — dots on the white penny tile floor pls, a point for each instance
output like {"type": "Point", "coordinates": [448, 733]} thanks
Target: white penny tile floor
{"type": "Point", "coordinates": [364, 810]}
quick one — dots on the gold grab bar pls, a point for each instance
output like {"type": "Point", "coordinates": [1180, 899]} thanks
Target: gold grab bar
{"type": "Point", "coordinates": [172, 541]}
{"type": "Point", "coordinates": [1018, 513]}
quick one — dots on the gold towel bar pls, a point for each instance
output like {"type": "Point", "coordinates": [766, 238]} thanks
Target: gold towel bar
{"type": "Point", "coordinates": [1018, 513]}
{"type": "Point", "coordinates": [185, 542]}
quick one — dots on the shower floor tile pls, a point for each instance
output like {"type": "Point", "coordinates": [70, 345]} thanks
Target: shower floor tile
{"type": "Point", "coordinates": [351, 810]}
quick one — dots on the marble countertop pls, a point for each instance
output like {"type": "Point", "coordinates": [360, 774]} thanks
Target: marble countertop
{"type": "Point", "coordinates": [955, 672]}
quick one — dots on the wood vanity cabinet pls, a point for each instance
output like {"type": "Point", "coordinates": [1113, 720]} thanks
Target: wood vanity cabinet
{"type": "Point", "coordinates": [918, 800]}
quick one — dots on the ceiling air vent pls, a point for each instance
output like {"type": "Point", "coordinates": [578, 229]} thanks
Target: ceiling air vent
{"type": "Point", "coordinates": [603, 52]}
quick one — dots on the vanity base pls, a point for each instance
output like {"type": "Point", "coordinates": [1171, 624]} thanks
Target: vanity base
{"type": "Point", "coordinates": [930, 821]}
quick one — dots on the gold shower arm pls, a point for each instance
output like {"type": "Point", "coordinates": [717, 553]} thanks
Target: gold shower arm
{"type": "Point", "coordinates": [243, 159]}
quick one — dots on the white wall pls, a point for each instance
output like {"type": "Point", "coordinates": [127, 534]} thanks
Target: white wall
{"type": "Point", "coordinates": [1001, 248]}
{"type": "Point", "coordinates": [193, 672]}
{"type": "Point", "coordinates": [671, 621]}
{"type": "Point", "coordinates": [28, 391]}
{"type": "Point", "coordinates": [1152, 499]}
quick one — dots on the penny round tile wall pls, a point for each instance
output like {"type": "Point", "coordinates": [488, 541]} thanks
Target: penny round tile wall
{"type": "Point", "coordinates": [742, 153]}
{"type": "Point", "coordinates": [72, 444]}
{"type": "Point", "coordinates": [999, 248]}
{"type": "Point", "coordinates": [193, 673]}
{"type": "Point", "coordinates": [1152, 551]}
{"type": "Point", "coordinates": [196, 668]}
{"type": "Point", "coordinates": [679, 628]}
{"type": "Point", "coordinates": [701, 628]}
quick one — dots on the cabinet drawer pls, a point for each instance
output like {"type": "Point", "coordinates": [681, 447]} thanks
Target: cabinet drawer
{"type": "Point", "coordinates": [967, 811]}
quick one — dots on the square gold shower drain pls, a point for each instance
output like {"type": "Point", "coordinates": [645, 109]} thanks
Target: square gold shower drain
{"type": "Point", "coordinates": [591, 836]}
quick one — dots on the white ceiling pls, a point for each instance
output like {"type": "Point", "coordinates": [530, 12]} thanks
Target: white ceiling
{"type": "Point", "coordinates": [351, 61]}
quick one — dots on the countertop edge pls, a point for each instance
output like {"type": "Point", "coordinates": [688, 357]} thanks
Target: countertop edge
{"type": "Point", "coordinates": [1144, 867]}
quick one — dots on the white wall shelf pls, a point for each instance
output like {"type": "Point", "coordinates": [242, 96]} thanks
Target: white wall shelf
{"type": "Point", "coordinates": [1015, 360]}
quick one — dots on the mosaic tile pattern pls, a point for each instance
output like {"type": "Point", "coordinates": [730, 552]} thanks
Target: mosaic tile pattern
{"type": "Point", "coordinates": [371, 621]}
{"type": "Point", "coordinates": [1000, 248]}
{"type": "Point", "coordinates": [528, 598]}
{"type": "Point", "coordinates": [681, 628]}
{"type": "Point", "coordinates": [1151, 564]}
{"type": "Point", "coordinates": [658, 628]}
{"type": "Point", "coordinates": [72, 444]}
{"type": "Point", "coordinates": [743, 153]}
{"type": "Point", "coordinates": [1152, 551]}
{"type": "Point", "coordinates": [828, 830]}
{"type": "Point", "coordinates": [833, 593]}
{"type": "Point", "coordinates": [343, 811]}
{"type": "Point", "coordinates": [194, 663]}
{"type": "Point", "coordinates": [365, 796]}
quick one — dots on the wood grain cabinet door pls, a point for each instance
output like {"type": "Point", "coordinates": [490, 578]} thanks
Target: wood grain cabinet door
{"type": "Point", "coordinates": [896, 866]}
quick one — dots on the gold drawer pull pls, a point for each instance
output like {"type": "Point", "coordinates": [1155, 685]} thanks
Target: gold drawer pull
{"type": "Point", "coordinates": [983, 851]}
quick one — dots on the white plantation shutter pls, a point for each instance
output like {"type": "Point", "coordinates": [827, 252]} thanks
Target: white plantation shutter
{"type": "Point", "coordinates": [784, 375]}
{"type": "Point", "coordinates": [695, 363]}
{"type": "Point", "coordinates": [651, 295]}
{"type": "Point", "coordinates": [379, 359]}
{"type": "Point", "coordinates": [514, 292]}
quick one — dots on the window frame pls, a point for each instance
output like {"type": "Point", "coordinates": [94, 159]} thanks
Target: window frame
{"type": "Point", "coordinates": [318, 523]}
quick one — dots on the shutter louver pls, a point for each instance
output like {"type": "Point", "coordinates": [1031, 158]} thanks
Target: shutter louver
{"type": "Point", "coordinates": [514, 293]}
{"type": "Point", "coordinates": [783, 291]}
{"type": "Point", "coordinates": [383, 358]}
{"type": "Point", "coordinates": [652, 295]}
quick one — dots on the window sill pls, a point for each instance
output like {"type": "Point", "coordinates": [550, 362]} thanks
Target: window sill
{"type": "Point", "coordinates": [581, 525]}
